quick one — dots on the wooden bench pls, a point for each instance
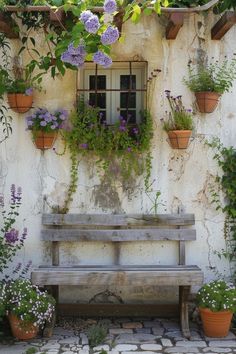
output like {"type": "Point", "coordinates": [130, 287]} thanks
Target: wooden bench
{"type": "Point", "coordinates": [119, 229]}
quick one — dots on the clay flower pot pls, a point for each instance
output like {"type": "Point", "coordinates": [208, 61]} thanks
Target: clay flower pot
{"type": "Point", "coordinates": [22, 330]}
{"type": "Point", "coordinates": [19, 102]}
{"type": "Point", "coordinates": [207, 101]}
{"type": "Point", "coordinates": [215, 324]}
{"type": "Point", "coordinates": [179, 139]}
{"type": "Point", "coordinates": [43, 140]}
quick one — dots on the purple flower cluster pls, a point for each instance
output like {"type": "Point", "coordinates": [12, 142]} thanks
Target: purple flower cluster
{"type": "Point", "coordinates": [42, 119]}
{"type": "Point", "coordinates": [123, 124]}
{"type": "Point", "coordinates": [74, 56]}
{"type": "Point", "coordinates": [90, 21]}
{"type": "Point", "coordinates": [110, 6]}
{"type": "Point", "coordinates": [29, 91]}
{"type": "Point", "coordinates": [12, 236]}
{"type": "Point", "coordinates": [110, 35]}
{"type": "Point", "coordinates": [15, 194]}
{"type": "Point", "coordinates": [102, 59]}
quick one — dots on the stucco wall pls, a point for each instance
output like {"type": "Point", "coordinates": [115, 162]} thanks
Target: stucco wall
{"type": "Point", "coordinates": [183, 177]}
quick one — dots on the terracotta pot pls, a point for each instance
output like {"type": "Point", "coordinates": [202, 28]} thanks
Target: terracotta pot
{"type": "Point", "coordinates": [19, 102]}
{"type": "Point", "coordinates": [179, 139]}
{"type": "Point", "coordinates": [22, 330]}
{"type": "Point", "coordinates": [207, 101]}
{"type": "Point", "coordinates": [215, 324]}
{"type": "Point", "coordinates": [44, 140]}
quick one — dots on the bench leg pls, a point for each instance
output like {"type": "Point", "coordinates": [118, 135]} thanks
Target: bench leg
{"type": "Point", "coordinates": [184, 292]}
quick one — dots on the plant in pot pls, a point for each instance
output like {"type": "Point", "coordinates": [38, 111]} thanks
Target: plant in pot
{"type": "Point", "coordinates": [27, 308]}
{"type": "Point", "coordinates": [45, 126]}
{"type": "Point", "coordinates": [217, 303]}
{"type": "Point", "coordinates": [179, 124]}
{"type": "Point", "coordinates": [210, 81]}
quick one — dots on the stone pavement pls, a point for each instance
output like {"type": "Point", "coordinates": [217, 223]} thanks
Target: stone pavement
{"type": "Point", "coordinates": [125, 336]}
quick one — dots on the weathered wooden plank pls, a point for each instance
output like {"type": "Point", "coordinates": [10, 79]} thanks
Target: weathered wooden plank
{"type": "Point", "coordinates": [174, 24]}
{"type": "Point", "coordinates": [223, 25]}
{"type": "Point", "coordinates": [124, 235]}
{"type": "Point", "coordinates": [55, 254]}
{"type": "Point", "coordinates": [121, 267]}
{"type": "Point", "coordinates": [119, 310]}
{"type": "Point", "coordinates": [118, 278]}
{"type": "Point", "coordinates": [182, 258]}
{"type": "Point", "coordinates": [118, 219]}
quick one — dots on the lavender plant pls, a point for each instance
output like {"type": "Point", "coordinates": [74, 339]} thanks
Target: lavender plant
{"type": "Point", "coordinates": [217, 296]}
{"type": "Point", "coordinates": [179, 118]}
{"type": "Point", "coordinates": [10, 239]}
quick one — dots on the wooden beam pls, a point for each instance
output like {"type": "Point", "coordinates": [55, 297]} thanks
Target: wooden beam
{"type": "Point", "coordinates": [122, 235]}
{"type": "Point", "coordinates": [7, 27]}
{"type": "Point", "coordinates": [223, 25]}
{"type": "Point", "coordinates": [174, 24]}
{"type": "Point", "coordinates": [119, 310]}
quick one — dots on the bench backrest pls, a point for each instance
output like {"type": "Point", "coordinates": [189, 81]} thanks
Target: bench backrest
{"type": "Point", "coordinates": [118, 228]}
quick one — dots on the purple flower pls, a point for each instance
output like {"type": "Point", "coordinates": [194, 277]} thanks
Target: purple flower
{"type": "Point", "coordinates": [1, 200]}
{"type": "Point", "coordinates": [43, 123]}
{"type": "Point", "coordinates": [135, 130]}
{"type": "Point", "coordinates": [74, 56]}
{"type": "Point", "coordinates": [129, 149]}
{"type": "Point", "coordinates": [85, 15]}
{"type": "Point", "coordinates": [92, 24]}
{"type": "Point", "coordinates": [11, 236]}
{"type": "Point", "coordinates": [110, 6]}
{"type": "Point", "coordinates": [122, 128]}
{"type": "Point", "coordinates": [29, 91]}
{"type": "Point", "coordinates": [84, 146]}
{"type": "Point", "coordinates": [110, 35]}
{"type": "Point", "coordinates": [102, 59]}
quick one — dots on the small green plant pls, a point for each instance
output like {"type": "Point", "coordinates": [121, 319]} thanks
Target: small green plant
{"type": "Point", "coordinates": [31, 350]}
{"type": "Point", "coordinates": [217, 296]}
{"type": "Point", "coordinates": [179, 118]}
{"type": "Point", "coordinates": [96, 334]}
{"type": "Point", "coordinates": [214, 77]}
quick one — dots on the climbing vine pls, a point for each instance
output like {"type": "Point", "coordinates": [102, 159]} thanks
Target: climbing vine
{"type": "Point", "coordinates": [226, 159]}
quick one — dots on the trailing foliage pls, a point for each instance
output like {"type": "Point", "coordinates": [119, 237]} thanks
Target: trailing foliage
{"type": "Point", "coordinates": [119, 150]}
{"type": "Point", "coordinates": [226, 158]}
{"type": "Point", "coordinates": [214, 77]}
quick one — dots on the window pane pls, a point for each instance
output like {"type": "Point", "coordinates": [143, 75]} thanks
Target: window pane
{"type": "Point", "coordinates": [128, 100]}
{"type": "Point", "coordinates": [130, 117]}
{"type": "Point", "coordinates": [125, 82]}
{"type": "Point", "coordinates": [99, 102]}
{"type": "Point", "coordinates": [101, 82]}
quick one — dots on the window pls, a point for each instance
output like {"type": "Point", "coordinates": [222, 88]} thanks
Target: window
{"type": "Point", "coordinates": [117, 91]}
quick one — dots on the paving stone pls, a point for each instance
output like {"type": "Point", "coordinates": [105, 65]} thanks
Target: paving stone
{"type": "Point", "coordinates": [151, 347]}
{"type": "Point", "coordinates": [109, 352]}
{"type": "Point", "coordinates": [70, 340]}
{"type": "Point", "coordinates": [101, 347]}
{"type": "Point", "coordinates": [125, 347]}
{"type": "Point", "coordinates": [181, 350]}
{"type": "Point", "coordinates": [171, 325]}
{"type": "Point", "coordinates": [152, 324]}
{"type": "Point", "coordinates": [84, 339]}
{"type": "Point", "coordinates": [158, 331]}
{"type": "Point", "coordinates": [146, 352]}
{"type": "Point", "coordinates": [120, 331]}
{"type": "Point", "coordinates": [82, 351]}
{"type": "Point", "coordinates": [86, 347]}
{"type": "Point", "coordinates": [166, 342]}
{"type": "Point", "coordinates": [135, 338]}
{"type": "Point", "coordinates": [222, 343]}
{"type": "Point", "coordinates": [195, 335]}
{"type": "Point", "coordinates": [143, 330]}
{"type": "Point", "coordinates": [229, 336]}
{"type": "Point", "coordinates": [132, 325]}
{"type": "Point", "coordinates": [68, 352]}
{"type": "Point", "coordinates": [177, 335]}
{"type": "Point", "coordinates": [189, 344]}
{"type": "Point", "coordinates": [62, 331]}
{"type": "Point", "coordinates": [216, 350]}
{"type": "Point", "coordinates": [50, 346]}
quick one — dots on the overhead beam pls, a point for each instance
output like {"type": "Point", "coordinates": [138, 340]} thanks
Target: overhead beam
{"type": "Point", "coordinates": [174, 24]}
{"type": "Point", "coordinates": [223, 25]}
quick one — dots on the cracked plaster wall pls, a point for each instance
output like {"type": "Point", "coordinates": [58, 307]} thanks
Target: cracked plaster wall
{"type": "Point", "coordinates": [183, 177]}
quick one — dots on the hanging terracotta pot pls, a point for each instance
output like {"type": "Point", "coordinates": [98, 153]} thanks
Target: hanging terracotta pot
{"type": "Point", "coordinates": [22, 330]}
{"type": "Point", "coordinates": [179, 139]}
{"type": "Point", "coordinates": [19, 102]}
{"type": "Point", "coordinates": [215, 324]}
{"type": "Point", "coordinates": [43, 140]}
{"type": "Point", "coordinates": [207, 101]}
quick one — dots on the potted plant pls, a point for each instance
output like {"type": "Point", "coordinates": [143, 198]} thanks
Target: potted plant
{"type": "Point", "coordinates": [179, 124]}
{"type": "Point", "coordinates": [217, 303]}
{"type": "Point", "coordinates": [27, 308]}
{"type": "Point", "coordinates": [45, 125]}
{"type": "Point", "coordinates": [210, 81]}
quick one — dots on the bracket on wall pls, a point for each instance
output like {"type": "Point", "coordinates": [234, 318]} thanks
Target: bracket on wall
{"type": "Point", "coordinates": [175, 22]}
{"type": "Point", "coordinates": [223, 25]}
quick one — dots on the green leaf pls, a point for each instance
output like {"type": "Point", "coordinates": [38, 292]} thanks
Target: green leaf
{"type": "Point", "coordinates": [147, 11]}
{"type": "Point", "coordinates": [157, 7]}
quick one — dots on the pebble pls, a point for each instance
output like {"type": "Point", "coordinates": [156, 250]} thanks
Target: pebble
{"type": "Point", "coordinates": [151, 347]}
{"type": "Point", "coordinates": [125, 347]}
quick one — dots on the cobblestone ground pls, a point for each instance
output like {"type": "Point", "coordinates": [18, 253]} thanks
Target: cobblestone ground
{"type": "Point", "coordinates": [125, 336]}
